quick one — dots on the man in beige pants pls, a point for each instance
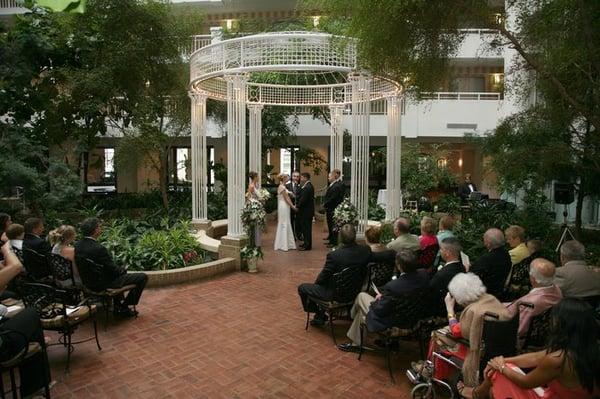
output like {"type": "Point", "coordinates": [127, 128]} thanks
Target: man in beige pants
{"type": "Point", "coordinates": [376, 312]}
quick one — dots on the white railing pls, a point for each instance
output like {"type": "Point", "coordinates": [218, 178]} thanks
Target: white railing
{"type": "Point", "coordinates": [480, 31]}
{"type": "Point", "coordinates": [199, 41]}
{"type": "Point", "coordinates": [10, 4]}
{"type": "Point", "coordinates": [462, 96]}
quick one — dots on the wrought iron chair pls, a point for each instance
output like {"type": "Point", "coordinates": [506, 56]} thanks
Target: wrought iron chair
{"type": "Point", "coordinates": [347, 285]}
{"type": "Point", "coordinates": [518, 280]}
{"type": "Point", "coordinates": [55, 314]}
{"type": "Point", "coordinates": [29, 349]}
{"type": "Point", "coordinates": [88, 271]}
{"type": "Point", "coordinates": [410, 317]}
{"type": "Point", "coordinates": [63, 277]}
{"type": "Point", "coordinates": [498, 338]}
{"type": "Point", "coordinates": [380, 273]}
{"type": "Point", "coordinates": [36, 266]}
{"type": "Point", "coordinates": [538, 332]}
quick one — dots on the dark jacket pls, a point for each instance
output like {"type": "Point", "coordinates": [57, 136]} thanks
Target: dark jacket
{"type": "Point", "coordinates": [36, 266]}
{"type": "Point", "coordinates": [464, 191]}
{"type": "Point", "coordinates": [441, 279]}
{"type": "Point", "coordinates": [294, 190]}
{"type": "Point", "coordinates": [355, 256]}
{"type": "Point", "coordinates": [333, 196]}
{"type": "Point", "coordinates": [306, 201]}
{"type": "Point", "coordinates": [380, 311]}
{"type": "Point", "coordinates": [98, 279]}
{"type": "Point", "coordinates": [493, 268]}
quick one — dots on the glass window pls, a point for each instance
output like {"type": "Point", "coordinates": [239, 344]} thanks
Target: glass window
{"type": "Point", "coordinates": [101, 177]}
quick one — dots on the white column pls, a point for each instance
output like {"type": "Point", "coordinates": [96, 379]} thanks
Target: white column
{"type": "Point", "coordinates": [255, 140]}
{"type": "Point", "coordinates": [336, 137]}
{"type": "Point", "coordinates": [359, 184]}
{"type": "Point", "coordinates": [394, 151]}
{"type": "Point", "coordinates": [236, 152]}
{"type": "Point", "coordinates": [198, 157]}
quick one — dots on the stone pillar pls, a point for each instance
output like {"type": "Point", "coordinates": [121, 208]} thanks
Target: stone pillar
{"type": "Point", "coordinates": [199, 160]}
{"type": "Point", "coordinates": [255, 140]}
{"type": "Point", "coordinates": [394, 151]}
{"type": "Point", "coordinates": [336, 137]}
{"type": "Point", "coordinates": [236, 153]}
{"type": "Point", "coordinates": [359, 183]}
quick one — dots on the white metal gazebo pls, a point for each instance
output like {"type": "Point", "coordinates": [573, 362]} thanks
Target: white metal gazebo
{"type": "Point", "coordinates": [310, 69]}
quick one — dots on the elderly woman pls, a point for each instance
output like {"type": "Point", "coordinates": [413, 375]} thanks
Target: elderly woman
{"type": "Point", "coordinates": [467, 290]}
{"type": "Point", "coordinates": [569, 367]}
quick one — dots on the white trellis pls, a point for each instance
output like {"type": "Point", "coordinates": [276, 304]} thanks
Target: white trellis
{"type": "Point", "coordinates": [319, 70]}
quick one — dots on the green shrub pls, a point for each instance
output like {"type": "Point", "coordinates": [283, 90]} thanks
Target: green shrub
{"type": "Point", "coordinates": [375, 211]}
{"type": "Point", "coordinates": [140, 246]}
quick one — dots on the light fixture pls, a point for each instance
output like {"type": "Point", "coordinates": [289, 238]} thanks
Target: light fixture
{"type": "Point", "coordinates": [316, 19]}
{"type": "Point", "coordinates": [497, 78]}
{"type": "Point", "coordinates": [442, 163]}
{"type": "Point", "coordinates": [460, 162]}
{"type": "Point", "coordinates": [229, 23]}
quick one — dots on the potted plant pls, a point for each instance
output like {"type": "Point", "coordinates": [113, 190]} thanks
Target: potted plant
{"type": "Point", "coordinates": [253, 221]}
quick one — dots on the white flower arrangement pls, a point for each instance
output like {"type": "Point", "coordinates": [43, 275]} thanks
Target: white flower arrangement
{"type": "Point", "coordinates": [253, 219]}
{"type": "Point", "coordinates": [345, 213]}
{"type": "Point", "coordinates": [263, 194]}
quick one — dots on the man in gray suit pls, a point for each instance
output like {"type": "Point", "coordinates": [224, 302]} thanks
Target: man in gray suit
{"type": "Point", "coordinates": [575, 278]}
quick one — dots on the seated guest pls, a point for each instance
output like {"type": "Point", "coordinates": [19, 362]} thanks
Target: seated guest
{"type": "Point", "coordinates": [350, 254]}
{"type": "Point", "coordinates": [62, 240]}
{"type": "Point", "coordinates": [568, 368]}
{"type": "Point", "coordinates": [515, 237]}
{"type": "Point", "coordinates": [450, 252]}
{"type": "Point", "coordinates": [15, 235]}
{"type": "Point", "coordinates": [34, 370]}
{"type": "Point", "coordinates": [543, 295]}
{"type": "Point", "coordinates": [404, 240]}
{"type": "Point", "coordinates": [534, 247]}
{"type": "Point", "coordinates": [467, 290]}
{"type": "Point", "coordinates": [373, 237]}
{"type": "Point", "coordinates": [378, 310]}
{"type": "Point", "coordinates": [5, 221]}
{"type": "Point", "coordinates": [428, 242]}
{"type": "Point", "coordinates": [110, 275]}
{"type": "Point", "coordinates": [575, 278]}
{"type": "Point", "coordinates": [445, 228]}
{"type": "Point", "coordinates": [34, 229]}
{"type": "Point", "coordinates": [493, 267]}
{"type": "Point", "coordinates": [36, 266]}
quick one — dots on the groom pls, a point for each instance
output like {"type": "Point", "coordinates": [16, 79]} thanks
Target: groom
{"type": "Point", "coordinates": [306, 211]}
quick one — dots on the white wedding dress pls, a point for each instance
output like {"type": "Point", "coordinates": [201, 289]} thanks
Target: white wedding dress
{"type": "Point", "coordinates": [284, 238]}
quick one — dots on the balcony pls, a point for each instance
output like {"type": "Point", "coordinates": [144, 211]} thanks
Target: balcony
{"type": "Point", "coordinates": [476, 44]}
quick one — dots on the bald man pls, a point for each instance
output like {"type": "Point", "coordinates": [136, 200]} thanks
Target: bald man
{"type": "Point", "coordinates": [543, 295]}
{"type": "Point", "coordinates": [404, 240]}
{"type": "Point", "coordinates": [494, 266]}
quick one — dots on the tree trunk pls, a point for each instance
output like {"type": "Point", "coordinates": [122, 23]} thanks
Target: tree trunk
{"type": "Point", "coordinates": [162, 180]}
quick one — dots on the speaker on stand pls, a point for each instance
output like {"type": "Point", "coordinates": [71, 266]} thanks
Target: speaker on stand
{"type": "Point", "coordinates": [564, 194]}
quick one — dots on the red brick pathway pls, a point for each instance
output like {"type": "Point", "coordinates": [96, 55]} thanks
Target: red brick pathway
{"type": "Point", "coordinates": [235, 336]}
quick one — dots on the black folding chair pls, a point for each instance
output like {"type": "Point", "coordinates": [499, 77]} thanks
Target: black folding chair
{"type": "Point", "coordinates": [347, 285]}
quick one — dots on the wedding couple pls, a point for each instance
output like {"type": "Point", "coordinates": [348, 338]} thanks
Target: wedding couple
{"type": "Point", "coordinates": [299, 199]}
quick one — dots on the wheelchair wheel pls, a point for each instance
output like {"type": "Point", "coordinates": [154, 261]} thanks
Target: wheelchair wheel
{"type": "Point", "coordinates": [423, 391]}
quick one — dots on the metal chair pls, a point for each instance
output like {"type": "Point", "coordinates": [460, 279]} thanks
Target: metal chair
{"type": "Point", "coordinates": [410, 317]}
{"type": "Point", "coordinates": [347, 285]}
{"type": "Point", "coordinates": [380, 273]}
{"type": "Point", "coordinates": [29, 350]}
{"type": "Point", "coordinates": [55, 314]}
{"type": "Point", "coordinates": [36, 266]}
{"type": "Point", "coordinates": [538, 331]}
{"type": "Point", "coordinates": [89, 271]}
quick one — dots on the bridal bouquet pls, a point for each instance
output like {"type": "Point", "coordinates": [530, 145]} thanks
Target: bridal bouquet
{"type": "Point", "coordinates": [345, 213]}
{"type": "Point", "coordinates": [263, 195]}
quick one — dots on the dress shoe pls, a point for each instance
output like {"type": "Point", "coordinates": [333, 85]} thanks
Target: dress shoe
{"type": "Point", "coordinates": [349, 347]}
{"type": "Point", "coordinates": [125, 312]}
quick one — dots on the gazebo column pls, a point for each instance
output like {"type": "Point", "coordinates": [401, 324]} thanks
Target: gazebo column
{"type": "Point", "coordinates": [359, 183]}
{"type": "Point", "coordinates": [199, 161]}
{"type": "Point", "coordinates": [337, 137]}
{"type": "Point", "coordinates": [394, 152]}
{"type": "Point", "coordinates": [255, 140]}
{"type": "Point", "coordinates": [232, 243]}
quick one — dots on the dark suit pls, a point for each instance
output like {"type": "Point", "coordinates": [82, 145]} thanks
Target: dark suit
{"type": "Point", "coordinates": [464, 191]}
{"type": "Point", "coordinates": [333, 197]}
{"type": "Point", "coordinates": [440, 280]}
{"type": "Point", "coordinates": [354, 256]}
{"type": "Point", "coordinates": [294, 188]}
{"type": "Point", "coordinates": [380, 310]}
{"type": "Point", "coordinates": [493, 269]}
{"type": "Point", "coordinates": [35, 266]}
{"type": "Point", "coordinates": [306, 212]}
{"type": "Point", "coordinates": [109, 275]}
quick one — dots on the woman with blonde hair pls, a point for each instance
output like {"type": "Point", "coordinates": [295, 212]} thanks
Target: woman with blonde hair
{"type": "Point", "coordinates": [284, 238]}
{"type": "Point", "coordinates": [61, 240]}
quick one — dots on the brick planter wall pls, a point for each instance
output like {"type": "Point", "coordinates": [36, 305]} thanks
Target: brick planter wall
{"type": "Point", "coordinates": [161, 278]}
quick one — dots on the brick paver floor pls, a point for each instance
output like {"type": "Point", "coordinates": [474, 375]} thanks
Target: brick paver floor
{"type": "Point", "coordinates": [234, 336]}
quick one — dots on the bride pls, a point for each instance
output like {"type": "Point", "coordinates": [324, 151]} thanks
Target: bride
{"type": "Point", "coordinates": [284, 239]}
